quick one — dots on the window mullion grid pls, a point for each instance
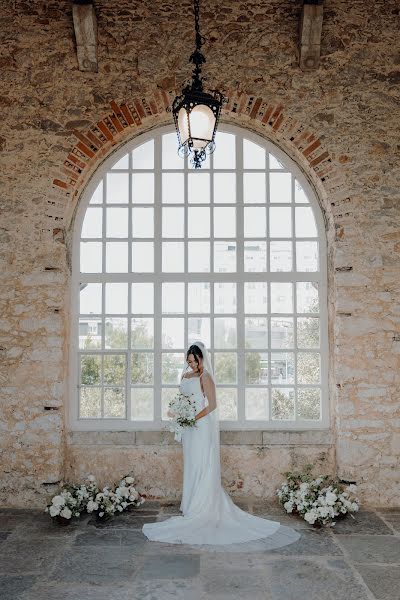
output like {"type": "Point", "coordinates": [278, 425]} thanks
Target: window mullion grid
{"type": "Point", "coordinates": [268, 315]}
{"type": "Point", "coordinates": [158, 279]}
{"type": "Point", "coordinates": [128, 394]}
{"type": "Point", "coordinates": [212, 272]}
{"type": "Point", "coordinates": [103, 292]}
{"type": "Point", "coordinates": [294, 292]}
{"type": "Point", "coordinates": [240, 281]}
{"type": "Point", "coordinates": [186, 251]}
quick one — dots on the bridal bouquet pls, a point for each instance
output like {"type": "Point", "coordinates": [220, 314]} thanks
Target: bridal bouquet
{"type": "Point", "coordinates": [316, 501]}
{"type": "Point", "coordinates": [182, 409]}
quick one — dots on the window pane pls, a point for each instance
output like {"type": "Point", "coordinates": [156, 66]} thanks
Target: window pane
{"type": "Point", "coordinates": [300, 194]}
{"type": "Point", "coordinates": [172, 333]}
{"type": "Point", "coordinates": [307, 256]}
{"type": "Point", "coordinates": [225, 367]}
{"type": "Point", "coordinates": [256, 364]}
{"type": "Point", "coordinates": [117, 189]}
{"type": "Point", "coordinates": [255, 297]}
{"type": "Point", "coordinates": [256, 407]}
{"type": "Point", "coordinates": [114, 403]}
{"type": "Point", "coordinates": [305, 222]}
{"type": "Point", "coordinates": [90, 369]}
{"type": "Point", "coordinates": [309, 403]}
{"type": "Point", "coordinates": [225, 151]}
{"type": "Point", "coordinates": [308, 367]}
{"type": "Point", "coordinates": [143, 188]}
{"type": "Point", "coordinates": [90, 330]}
{"type": "Point", "coordinates": [172, 222]}
{"type": "Point", "coordinates": [142, 222]}
{"type": "Point", "coordinates": [142, 404]}
{"type": "Point", "coordinates": [90, 298]}
{"type": "Point", "coordinates": [255, 222]}
{"type": "Point", "coordinates": [307, 332]}
{"type": "Point", "coordinates": [97, 196]}
{"type": "Point", "coordinates": [114, 369]}
{"type": "Point", "coordinates": [307, 297]}
{"type": "Point", "coordinates": [142, 333]}
{"type": "Point", "coordinates": [274, 163]}
{"type": "Point", "coordinates": [225, 332]}
{"type": "Point", "coordinates": [116, 333]}
{"type": "Point", "coordinates": [143, 156]}
{"type": "Point", "coordinates": [280, 187]}
{"type": "Point", "coordinates": [89, 403]}
{"type": "Point", "coordinates": [116, 298]}
{"type": "Point", "coordinates": [280, 221]}
{"type": "Point", "coordinates": [142, 367]}
{"type": "Point", "coordinates": [227, 403]}
{"type": "Point", "coordinates": [224, 257]}
{"type": "Point", "coordinates": [199, 188]}
{"type": "Point", "coordinates": [173, 257]}
{"type": "Point", "coordinates": [172, 366]}
{"type": "Point", "coordinates": [117, 222]}
{"type": "Point", "coordinates": [225, 297]}
{"type": "Point", "coordinates": [116, 257]}
{"type": "Point", "coordinates": [172, 188]}
{"type": "Point", "coordinates": [282, 333]}
{"type": "Point", "coordinates": [199, 257]}
{"type": "Point", "coordinates": [281, 297]}
{"type": "Point", "coordinates": [92, 226]}
{"type": "Point", "coordinates": [224, 222]}
{"type": "Point", "coordinates": [254, 188]}
{"type": "Point", "coordinates": [199, 297]}
{"type": "Point", "coordinates": [253, 155]}
{"type": "Point", "coordinates": [199, 222]}
{"type": "Point", "coordinates": [143, 298]}
{"type": "Point", "coordinates": [199, 329]}
{"type": "Point", "coordinates": [91, 257]}
{"type": "Point", "coordinates": [143, 257]}
{"type": "Point", "coordinates": [256, 332]}
{"type": "Point", "coordinates": [282, 403]}
{"type": "Point", "coordinates": [170, 158]}
{"type": "Point", "coordinates": [173, 299]}
{"type": "Point", "coordinates": [280, 257]}
{"type": "Point", "coordinates": [122, 163]}
{"type": "Point", "coordinates": [255, 256]}
{"type": "Point", "coordinates": [224, 188]}
{"type": "Point", "coordinates": [282, 367]}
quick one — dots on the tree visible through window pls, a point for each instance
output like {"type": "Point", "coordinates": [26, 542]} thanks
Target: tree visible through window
{"type": "Point", "coordinates": [232, 254]}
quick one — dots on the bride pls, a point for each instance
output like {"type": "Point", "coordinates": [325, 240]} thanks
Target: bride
{"type": "Point", "coordinates": [209, 514]}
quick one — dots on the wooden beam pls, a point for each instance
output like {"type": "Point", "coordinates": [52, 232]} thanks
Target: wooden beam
{"type": "Point", "coordinates": [85, 26]}
{"type": "Point", "coordinates": [310, 35]}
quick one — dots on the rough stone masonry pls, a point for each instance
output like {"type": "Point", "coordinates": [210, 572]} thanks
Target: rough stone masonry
{"type": "Point", "coordinates": [340, 123]}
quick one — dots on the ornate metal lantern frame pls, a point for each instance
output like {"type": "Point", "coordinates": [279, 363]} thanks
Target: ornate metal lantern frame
{"type": "Point", "coordinates": [196, 112]}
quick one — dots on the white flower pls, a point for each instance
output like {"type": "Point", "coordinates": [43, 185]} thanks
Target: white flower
{"type": "Point", "coordinates": [288, 506]}
{"type": "Point", "coordinates": [91, 506]}
{"type": "Point", "coordinates": [54, 510]}
{"type": "Point", "coordinates": [101, 514]}
{"type": "Point", "coordinates": [122, 491]}
{"type": "Point", "coordinates": [66, 513]}
{"type": "Point", "coordinates": [331, 498]}
{"type": "Point", "coordinates": [91, 478]}
{"type": "Point", "coordinates": [352, 488]}
{"type": "Point", "coordinates": [58, 501]}
{"type": "Point", "coordinates": [310, 517]}
{"type": "Point", "coordinates": [354, 506]}
{"type": "Point", "coordinates": [129, 480]}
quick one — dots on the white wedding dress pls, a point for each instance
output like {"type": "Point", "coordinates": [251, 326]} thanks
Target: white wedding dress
{"type": "Point", "coordinates": [209, 515]}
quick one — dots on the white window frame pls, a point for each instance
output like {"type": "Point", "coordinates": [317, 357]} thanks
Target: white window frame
{"type": "Point", "coordinates": [116, 424]}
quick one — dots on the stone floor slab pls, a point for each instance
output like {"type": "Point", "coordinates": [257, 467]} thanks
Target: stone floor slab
{"type": "Point", "coordinates": [110, 537]}
{"type": "Point", "coordinates": [12, 587]}
{"type": "Point", "coordinates": [312, 542]}
{"type": "Point", "coordinates": [174, 589]}
{"type": "Point", "coordinates": [364, 522]}
{"type": "Point", "coordinates": [371, 549]}
{"type": "Point", "coordinates": [393, 519]}
{"type": "Point", "coordinates": [26, 556]}
{"type": "Point", "coordinates": [161, 566]}
{"type": "Point", "coordinates": [72, 591]}
{"type": "Point", "coordinates": [382, 580]}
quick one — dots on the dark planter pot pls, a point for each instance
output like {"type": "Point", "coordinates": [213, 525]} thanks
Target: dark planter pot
{"type": "Point", "coordinates": [62, 520]}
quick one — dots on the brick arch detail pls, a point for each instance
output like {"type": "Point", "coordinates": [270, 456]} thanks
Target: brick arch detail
{"type": "Point", "coordinates": [136, 116]}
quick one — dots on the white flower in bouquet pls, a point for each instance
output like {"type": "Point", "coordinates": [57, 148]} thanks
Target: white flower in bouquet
{"type": "Point", "coordinates": [54, 510]}
{"type": "Point", "coordinates": [91, 506]}
{"type": "Point", "coordinates": [66, 513]}
{"type": "Point", "coordinates": [129, 480]}
{"type": "Point", "coordinates": [58, 501]}
{"type": "Point", "coordinates": [122, 491]}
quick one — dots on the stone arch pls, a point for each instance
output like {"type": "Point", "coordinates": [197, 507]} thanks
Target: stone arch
{"type": "Point", "coordinates": [131, 118]}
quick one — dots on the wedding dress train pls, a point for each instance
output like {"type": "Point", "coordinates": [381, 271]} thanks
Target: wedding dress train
{"type": "Point", "coordinates": [210, 517]}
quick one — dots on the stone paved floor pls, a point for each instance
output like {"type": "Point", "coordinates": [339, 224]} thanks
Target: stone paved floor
{"type": "Point", "coordinates": [358, 560]}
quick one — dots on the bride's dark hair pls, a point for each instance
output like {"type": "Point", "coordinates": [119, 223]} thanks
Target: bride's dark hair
{"type": "Point", "coordinates": [196, 351]}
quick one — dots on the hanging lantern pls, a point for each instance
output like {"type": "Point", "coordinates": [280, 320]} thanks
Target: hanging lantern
{"type": "Point", "coordinates": [196, 112]}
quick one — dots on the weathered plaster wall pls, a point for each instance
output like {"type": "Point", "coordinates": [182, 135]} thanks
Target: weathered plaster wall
{"type": "Point", "coordinates": [339, 123]}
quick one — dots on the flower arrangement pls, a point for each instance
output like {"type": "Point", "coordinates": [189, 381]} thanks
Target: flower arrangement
{"type": "Point", "coordinates": [73, 500]}
{"type": "Point", "coordinates": [318, 500]}
{"type": "Point", "coordinates": [182, 410]}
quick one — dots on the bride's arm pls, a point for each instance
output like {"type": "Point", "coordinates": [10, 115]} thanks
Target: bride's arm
{"type": "Point", "coordinates": [209, 391]}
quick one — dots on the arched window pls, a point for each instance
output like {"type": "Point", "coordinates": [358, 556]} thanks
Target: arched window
{"type": "Point", "coordinates": [233, 254]}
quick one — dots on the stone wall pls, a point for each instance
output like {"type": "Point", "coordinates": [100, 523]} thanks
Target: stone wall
{"type": "Point", "coordinates": [340, 124]}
